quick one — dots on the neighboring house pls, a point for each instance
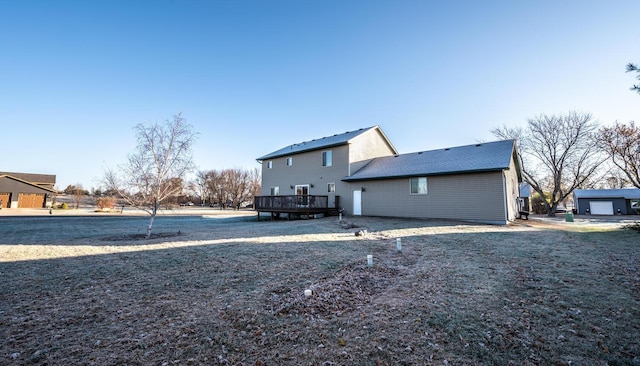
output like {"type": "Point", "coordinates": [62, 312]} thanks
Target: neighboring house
{"type": "Point", "coordinates": [24, 190]}
{"type": "Point", "coordinates": [624, 201]}
{"type": "Point", "coordinates": [477, 182]}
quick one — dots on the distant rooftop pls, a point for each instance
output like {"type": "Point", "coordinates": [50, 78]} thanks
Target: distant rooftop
{"type": "Point", "coordinates": [33, 178]}
{"type": "Point", "coordinates": [481, 157]}
{"type": "Point", "coordinates": [627, 193]}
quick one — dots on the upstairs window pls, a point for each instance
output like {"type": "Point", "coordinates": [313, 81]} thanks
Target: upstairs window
{"type": "Point", "coordinates": [419, 185]}
{"type": "Point", "coordinates": [289, 161]}
{"type": "Point", "coordinates": [269, 164]}
{"type": "Point", "coordinates": [327, 158]}
{"type": "Point", "coordinates": [275, 191]}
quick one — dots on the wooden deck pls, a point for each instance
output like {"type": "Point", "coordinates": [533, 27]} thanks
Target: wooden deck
{"type": "Point", "coordinates": [300, 205]}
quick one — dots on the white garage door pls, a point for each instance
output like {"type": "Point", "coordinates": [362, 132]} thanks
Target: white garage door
{"type": "Point", "coordinates": [601, 207]}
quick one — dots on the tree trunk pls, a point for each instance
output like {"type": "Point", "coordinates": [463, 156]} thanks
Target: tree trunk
{"type": "Point", "coordinates": [153, 216]}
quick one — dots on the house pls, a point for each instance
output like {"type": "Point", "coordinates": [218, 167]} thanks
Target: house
{"type": "Point", "coordinates": [361, 173]}
{"type": "Point", "coordinates": [26, 190]}
{"type": "Point", "coordinates": [624, 201]}
{"type": "Point", "coordinates": [317, 167]}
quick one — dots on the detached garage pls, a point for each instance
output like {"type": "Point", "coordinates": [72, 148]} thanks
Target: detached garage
{"type": "Point", "coordinates": [16, 192]}
{"type": "Point", "coordinates": [607, 201]}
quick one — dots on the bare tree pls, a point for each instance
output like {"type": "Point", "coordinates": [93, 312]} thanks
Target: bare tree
{"type": "Point", "coordinates": [255, 183]}
{"type": "Point", "coordinates": [634, 68]}
{"type": "Point", "coordinates": [242, 185]}
{"type": "Point", "coordinates": [233, 187]}
{"type": "Point", "coordinates": [621, 143]}
{"type": "Point", "coordinates": [200, 187]}
{"type": "Point", "coordinates": [150, 175]}
{"type": "Point", "coordinates": [615, 179]}
{"type": "Point", "coordinates": [216, 187]}
{"type": "Point", "coordinates": [559, 154]}
{"type": "Point", "coordinates": [78, 192]}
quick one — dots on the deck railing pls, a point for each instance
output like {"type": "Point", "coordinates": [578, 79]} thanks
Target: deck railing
{"type": "Point", "coordinates": [291, 203]}
{"type": "Point", "coordinates": [295, 203]}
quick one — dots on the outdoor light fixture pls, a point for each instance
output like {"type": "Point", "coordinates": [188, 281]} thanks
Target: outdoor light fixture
{"type": "Point", "coordinates": [311, 185]}
{"type": "Point", "coordinates": [362, 189]}
{"type": "Point", "coordinates": [291, 187]}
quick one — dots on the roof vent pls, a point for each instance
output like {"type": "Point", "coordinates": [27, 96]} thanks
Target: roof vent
{"type": "Point", "coordinates": [420, 152]}
{"type": "Point", "coordinates": [478, 144]}
{"type": "Point", "coordinates": [447, 149]}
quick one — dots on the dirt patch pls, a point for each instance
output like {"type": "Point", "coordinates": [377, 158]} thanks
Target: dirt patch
{"type": "Point", "coordinates": [232, 292]}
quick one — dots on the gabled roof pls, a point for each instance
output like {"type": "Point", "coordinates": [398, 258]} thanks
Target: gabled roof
{"type": "Point", "coordinates": [48, 180]}
{"type": "Point", "coordinates": [323, 143]}
{"type": "Point", "coordinates": [482, 157]}
{"type": "Point", "coordinates": [27, 182]}
{"type": "Point", "coordinates": [626, 193]}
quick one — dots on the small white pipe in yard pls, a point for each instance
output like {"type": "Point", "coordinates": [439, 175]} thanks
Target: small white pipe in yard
{"type": "Point", "coordinates": [398, 245]}
{"type": "Point", "coordinates": [340, 216]}
{"type": "Point", "coordinates": [369, 260]}
{"type": "Point", "coordinates": [307, 293]}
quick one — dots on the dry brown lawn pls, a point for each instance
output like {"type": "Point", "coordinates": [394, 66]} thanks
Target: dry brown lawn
{"type": "Point", "coordinates": [213, 291]}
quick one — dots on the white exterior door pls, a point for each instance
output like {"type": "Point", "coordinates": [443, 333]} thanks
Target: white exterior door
{"type": "Point", "coordinates": [357, 202]}
{"type": "Point", "coordinates": [601, 207]}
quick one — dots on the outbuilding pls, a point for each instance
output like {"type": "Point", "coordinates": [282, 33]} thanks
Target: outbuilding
{"type": "Point", "coordinates": [25, 190]}
{"type": "Point", "coordinates": [624, 201]}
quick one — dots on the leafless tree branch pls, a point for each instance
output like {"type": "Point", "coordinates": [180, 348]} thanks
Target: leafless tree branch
{"type": "Point", "coordinates": [155, 171]}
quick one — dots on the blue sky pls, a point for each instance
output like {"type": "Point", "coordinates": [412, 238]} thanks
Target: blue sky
{"type": "Point", "coordinates": [255, 76]}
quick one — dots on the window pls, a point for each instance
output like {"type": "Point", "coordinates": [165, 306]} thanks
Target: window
{"type": "Point", "coordinates": [289, 161]}
{"type": "Point", "coordinates": [275, 191]}
{"type": "Point", "coordinates": [331, 187]}
{"type": "Point", "coordinates": [419, 185]}
{"type": "Point", "coordinates": [635, 204]}
{"type": "Point", "coordinates": [327, 158]}
{"type": "Point", "coordinates": [269, 164]}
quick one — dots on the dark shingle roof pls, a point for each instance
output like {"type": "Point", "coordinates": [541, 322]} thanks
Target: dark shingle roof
{"type": "Point", "coordinates": [335, 140]}
{"type": "Point", "coordinates": [33, 178]}
{"type": "Point", "coordinates": [627, 193]}
{"type": "Point", "coordinates": [482, 157]}
{"type": "Point", "coordinates": [44, 186]}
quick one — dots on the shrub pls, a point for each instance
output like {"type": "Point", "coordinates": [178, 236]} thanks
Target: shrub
{"type": "Point", "coordinates": [105, 202]}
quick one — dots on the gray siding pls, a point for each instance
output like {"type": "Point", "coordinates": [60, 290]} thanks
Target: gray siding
{"type": "Point", "coordinates": [512, 191]}
{"type": "Point", "coordinates": [367, 146]}
{"type": "Point", "coordinates": [307, 169]}
{"type": "Point", "coordinates": [472, 197]}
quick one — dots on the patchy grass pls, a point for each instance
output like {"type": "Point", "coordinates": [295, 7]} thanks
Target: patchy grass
{"type": "Point", "coordinates": [232, 292]}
